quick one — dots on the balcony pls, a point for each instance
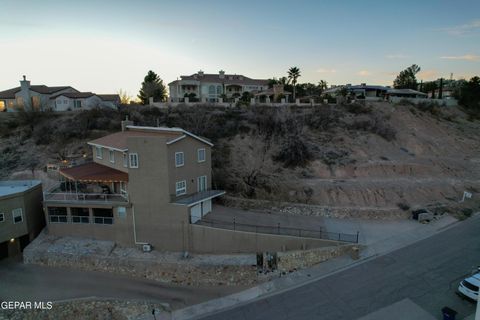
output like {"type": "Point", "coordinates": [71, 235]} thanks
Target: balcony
{"type": "Point", "coordinates": [58, 197]}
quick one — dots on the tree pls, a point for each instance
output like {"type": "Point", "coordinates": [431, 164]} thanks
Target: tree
{"type": "Point", "coordinates": [407, 79]}
{"type": "Point", "coordinates": [469, 96]}
{"type": "Point", "coordinates": [322, 85]}
{"type": "Point", "coordinates": [152, 86]}
{"type": "Point", "coordinates": [125, 98]}
{"type": "Point", "coordinates": [293, 75]}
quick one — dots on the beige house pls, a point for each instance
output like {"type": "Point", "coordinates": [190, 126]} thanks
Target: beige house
{"type": "Point", "coordinates": [21, 215]}
{"type": "Point", "coordinates": [144, 186]}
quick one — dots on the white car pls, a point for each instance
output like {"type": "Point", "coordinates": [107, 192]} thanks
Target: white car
{"type": "Point", "coordinates": [469, 287]}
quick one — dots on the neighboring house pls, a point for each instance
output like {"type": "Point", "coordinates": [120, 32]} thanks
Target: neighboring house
{"type": "Point", "coordinates": [145, 185]}
{"type": "Point", "coordinates": [21, 215]}
{"type": "Point", "coordinates": [212, 87]}
{"type": "Point", "coordinates": [83, 100]}
{"type": "Point", "coordinates": [41, 98]}
{"type": "Point", "coordinates": [362, 91]}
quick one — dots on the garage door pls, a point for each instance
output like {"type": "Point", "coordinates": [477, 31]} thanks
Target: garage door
{"type": "Point", "coordinates": [196, 213]}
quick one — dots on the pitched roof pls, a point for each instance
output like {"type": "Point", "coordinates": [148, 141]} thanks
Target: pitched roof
{"type": "Point", "coordinates": [225, 79]}
{"type": "Point", "coordinates": [405, 91]}
{"type": "Point", "coordinates": [118, 140]}
{"type": "Point", "coordinates": [74, 95]}
{"type": "Point", "coordinates": [109, 97]}
{"type": "Point", "coordinates": [10, 93]}
{"type": "Point", "coordinates": [89, 172]}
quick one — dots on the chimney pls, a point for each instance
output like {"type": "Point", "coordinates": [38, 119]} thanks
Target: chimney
{"type": "Point", "coordinates": [200, 73]}
{"type": "Point", "coordinates": [24, 84]}
{"type": "Point", "coordinates": [126, 123]}
{"type": "Point", "coordinates": [221, 74]}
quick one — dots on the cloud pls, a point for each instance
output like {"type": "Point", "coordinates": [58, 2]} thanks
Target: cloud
{"type": "Point", "coordinates": [428, 74]}
{"type": "Point", "coordinates": [465, 57]}
{"type": "Point", "coordinates": [364, 73]}
{"type": "Point", "coordinates": [322, 70]}
{"type": "Point", "coordinates": [397, 56]}
{"type": "Point", "coordinates": [464, 29]}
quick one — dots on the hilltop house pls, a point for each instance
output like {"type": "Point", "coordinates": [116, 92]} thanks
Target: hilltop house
{"type": "Point", "coordinates": [212, 87]}
{"type": "Point", "coordinates": [59, 98]}
{"type": "Point", "coordinates": [21, 215]}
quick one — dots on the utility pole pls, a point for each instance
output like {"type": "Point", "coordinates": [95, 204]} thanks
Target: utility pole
{"type": "Point", "coordinates": [440, 90]}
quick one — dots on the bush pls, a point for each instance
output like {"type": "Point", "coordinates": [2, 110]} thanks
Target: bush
{"type": "Point", "coordinates": [403, 206]}
{"type": "Point", "coordinates": [294, 153]}
{"type": "Point", "coordinates": [358, 108]}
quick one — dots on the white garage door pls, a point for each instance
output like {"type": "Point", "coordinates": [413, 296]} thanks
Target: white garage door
{"type": "Point", "coordinates": [196, 213]}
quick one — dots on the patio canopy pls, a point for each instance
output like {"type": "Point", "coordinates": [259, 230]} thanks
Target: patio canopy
{"type": "Point", "coordinates": [94, 172]}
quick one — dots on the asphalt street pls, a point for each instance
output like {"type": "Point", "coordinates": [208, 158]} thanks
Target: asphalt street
{"type": "Point", "coordinates": [427, 272]}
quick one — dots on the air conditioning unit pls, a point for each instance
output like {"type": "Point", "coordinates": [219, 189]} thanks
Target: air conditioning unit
{"type": "Point", "coordinates": [147, 247]}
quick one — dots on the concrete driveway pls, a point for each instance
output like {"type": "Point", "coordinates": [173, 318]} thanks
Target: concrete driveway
{"type": "Point", "coordinates": [370, 231]}
{"type": "Point", "coordinates": [21, 282]}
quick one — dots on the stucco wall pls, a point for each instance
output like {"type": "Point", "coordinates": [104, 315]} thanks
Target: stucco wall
{"type": "Point", "coordinates": [118, 156]}
{"type": "Point", "coordinates": [212, 240]}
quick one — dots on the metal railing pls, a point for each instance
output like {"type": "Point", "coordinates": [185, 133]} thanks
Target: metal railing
{"type": "Point", "coordinates": [320, 233]}
{"type": "Point", "coordinates": [84, 197]}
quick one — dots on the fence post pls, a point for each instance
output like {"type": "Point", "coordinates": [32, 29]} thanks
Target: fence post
{"type": "Point", "coordinates": [233, 223]}
{"type": "Point", "coordinates": [357, 238]}
{"type": "Point", "coordinates": [278, 228]}
{"type": "Point", "coordinates": [339, 236]}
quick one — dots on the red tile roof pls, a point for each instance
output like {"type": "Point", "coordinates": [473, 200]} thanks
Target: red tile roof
{"type": "Point", "coordinates": [94, 172]}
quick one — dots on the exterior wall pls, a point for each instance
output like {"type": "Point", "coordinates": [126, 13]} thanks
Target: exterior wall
{"type": "Point", "coordinates": [120, 231]}
{"type": "Point", "coordinates": [158, 222]}
{"type": "Point", "coordinates": [211, 240]}
{"type": "Point", "coordinates": [192, 169]}
{"type": "Point", "coordinates": [30, 202]}
{"type": "Point", "coordinates": [118, 156]}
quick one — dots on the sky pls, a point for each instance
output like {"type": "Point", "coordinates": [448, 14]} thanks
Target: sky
{"type": "Point", "coordinates": [105, 46]}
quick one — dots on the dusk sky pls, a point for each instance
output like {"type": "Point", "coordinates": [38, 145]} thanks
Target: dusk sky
{"type": "Point", "coordinates": [104, 46]}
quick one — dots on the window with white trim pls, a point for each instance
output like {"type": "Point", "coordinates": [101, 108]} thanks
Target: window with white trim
{"type": "Point", "coordinates": [201, 155]}
{"type": "Point", "coordinates": [125, 160]}
{"type": "Point", "coordinates": [180, 187]}
{"type": "Point", "coordinates": [202, 183]}
{"type": "Point", "coordinates": [133, 160]}
{"type": "Point", "coordinates": [99, 152]}
{"type": "Point", "coordinates": [111, 156]}
{"type": "Point", "coordinates": [17, 215]}
{"type": "Point", "coordinates": [2, 217]}
{"type": "Point", "coordinates": [179, 159]}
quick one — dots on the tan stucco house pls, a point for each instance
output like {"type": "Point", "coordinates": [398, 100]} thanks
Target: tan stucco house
{"type": "Point", "coordinates": [21, 214]}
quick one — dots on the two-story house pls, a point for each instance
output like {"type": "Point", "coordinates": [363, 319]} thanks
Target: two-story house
{"type": "Point", "coordinates": [146, 185]}
{"type": "Point", "coordinates": [211, 87]}
{"type": "Point", "coordinates": [21, 215]}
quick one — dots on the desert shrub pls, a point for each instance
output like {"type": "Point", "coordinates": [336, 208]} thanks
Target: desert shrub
{"type": "Point", "coordinates": [467, 212]}
{"type": "Point", "coordinates": [430, 107]}
{"type": "Point", "coordinates": [334, 157]}
{"type": "Point", "coordinates": [294, 153]}
{"type": "Point", "coordinates": [403, 206]}
{"type": "Point", "coordinates": [323, 118]}
{"type": "Point", "coordinates": [358, 108]}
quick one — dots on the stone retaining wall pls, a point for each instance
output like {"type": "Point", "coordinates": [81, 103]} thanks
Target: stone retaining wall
{"type": "Point", "coordinates": [315, 210]}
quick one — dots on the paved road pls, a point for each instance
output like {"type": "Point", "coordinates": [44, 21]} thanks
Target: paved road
{"type": "Point", "coordinates": [19, 282]}
{"type": "Point", "coordinates": [427, 273]}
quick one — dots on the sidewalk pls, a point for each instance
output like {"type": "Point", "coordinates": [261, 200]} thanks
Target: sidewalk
{"type": "Point", "coordinates": [302, 277]}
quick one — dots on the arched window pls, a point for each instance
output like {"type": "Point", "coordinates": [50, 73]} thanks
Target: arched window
{"type": "Point", "coordinates": [211, 89]}
{"type": "Point", "coordinates": [219, 89]}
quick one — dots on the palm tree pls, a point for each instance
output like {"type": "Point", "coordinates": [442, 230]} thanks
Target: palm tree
{"type": "Point", "coordinates": [293, 74]}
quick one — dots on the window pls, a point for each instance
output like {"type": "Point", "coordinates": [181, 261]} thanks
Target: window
{"type": "Point", "coordinates": [123, 188]}
{"type": "Point", "coordinates": [80, 215]}
{"type": "Point", "coordinates": [78, 103]}
{"type": "Point", "coordinates": [181, 188]}
{"type": "Point", "coordinates": [2, 217]}
{"type": "Point", "coordinates": [99, 152]}
{"type": "Point", "coordinates": [211, 89]}
{"type": "Point", "coordinates": [111, 156]}
{"type": "Point", "coordinates": [179, 159]}
{"type": "Point", "coordinates": [65, 101]}
{"type": "Point", "coordinates": [57, 214]}
{"type": "Point", "coordinates": [133, 160]}
{"type": "Point", "coordinates": [202, 183]}
{"type": "Point", "coordinates": [122, 212]}
{"type": "Point", "coordinates": [17, 215]}
{"type": "Point", "coordinates": [201, 155]}
{"type": "Point", "coordinates": [102, 216]}
{"type": "Point", "coordinates": [125, 160]}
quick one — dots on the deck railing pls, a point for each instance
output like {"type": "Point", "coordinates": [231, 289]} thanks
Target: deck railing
{"type": "Point", "coordinates": [84, 197]}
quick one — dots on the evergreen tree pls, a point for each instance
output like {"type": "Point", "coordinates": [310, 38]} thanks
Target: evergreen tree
{"type": "Point", "coordinates": [152, 86]}
{"type": "Point", "coordinates": [407, 79]}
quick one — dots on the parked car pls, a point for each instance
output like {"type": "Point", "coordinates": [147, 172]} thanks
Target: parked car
{"type": "Point", "coordinates": [469, 287]}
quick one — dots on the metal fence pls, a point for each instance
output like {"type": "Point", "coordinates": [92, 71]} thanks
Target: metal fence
{"type": "Point", "coordinates": [320, 233]}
